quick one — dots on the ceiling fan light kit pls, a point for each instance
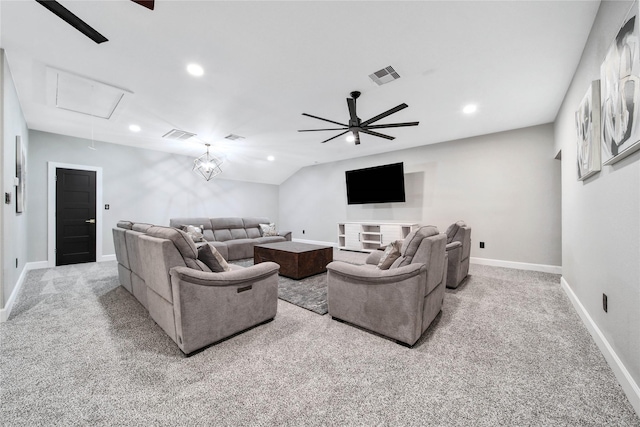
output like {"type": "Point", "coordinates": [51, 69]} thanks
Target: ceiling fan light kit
{"type": "Point", "coordinates": [356, 125]}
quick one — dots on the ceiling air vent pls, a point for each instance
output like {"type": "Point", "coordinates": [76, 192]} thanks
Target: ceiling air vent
{"type": "Point", "coordinates": [178, 134]}
{"type": "Point", "coordinates": [233, 137]}
{"type": "Point", "coordinates": [385, 75]}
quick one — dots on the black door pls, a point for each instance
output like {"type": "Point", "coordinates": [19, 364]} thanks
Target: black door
{"type": "Point", "coordinates": [75, 216]}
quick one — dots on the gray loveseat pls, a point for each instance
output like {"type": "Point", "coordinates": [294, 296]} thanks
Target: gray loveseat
{"type": "Point", "coordinates": [194, 306]}
{"type": "Point", "coordinates": [233, 237]}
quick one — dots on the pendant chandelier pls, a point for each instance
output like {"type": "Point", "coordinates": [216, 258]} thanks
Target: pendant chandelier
{"type": "Point", "coordinates": [207, 165]}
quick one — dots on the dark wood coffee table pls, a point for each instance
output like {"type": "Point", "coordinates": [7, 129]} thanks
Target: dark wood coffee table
{"type": "Point", "coordinates": [297, 260]}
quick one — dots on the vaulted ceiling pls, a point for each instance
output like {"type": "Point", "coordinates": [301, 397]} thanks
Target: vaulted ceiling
{"type": "Point", "coordinates": [265, 63]}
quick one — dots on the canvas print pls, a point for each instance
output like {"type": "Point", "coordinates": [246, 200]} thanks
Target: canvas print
{"type": "Point", "coordinates": [620, 90]}
{"type": "Point", "coordinates": [20, 175]}
{"type": "Point", "coordinates": [588, 127]}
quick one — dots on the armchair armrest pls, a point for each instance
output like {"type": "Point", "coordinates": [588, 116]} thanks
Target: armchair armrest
{"type": "Point", "coordinates": [374, 275]}
{"type": "Point", "coordinates": [453, 245]}
{"type": "Point", "coordinates": [226, 278]}
{"type": "Point", "coordinates": [285, 234]}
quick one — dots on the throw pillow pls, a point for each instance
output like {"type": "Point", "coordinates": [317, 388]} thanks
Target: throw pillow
{"type": "Point", "coordinates": [268, 230]}
{"type": "Point", "coordinates": [391, 253]}
{"type": "Point", "coordinates": [194, 232]}
{"type": "Point", "coordinates": [212, 258]}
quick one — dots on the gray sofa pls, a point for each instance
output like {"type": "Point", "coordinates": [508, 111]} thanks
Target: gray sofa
{"type": "Point", "coordinates": [191, 304]}
{"type": "Point", "coordinates": [399, 303]}
{"type": "Point", "coordinates": [233, 237]}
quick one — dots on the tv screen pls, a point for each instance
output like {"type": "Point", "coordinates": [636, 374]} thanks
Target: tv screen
{"type": "Point", "coordinates": [380, 184]}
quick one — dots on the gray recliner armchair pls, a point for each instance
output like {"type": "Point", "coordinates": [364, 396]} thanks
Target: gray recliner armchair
{"type": "Point", "coordinates": [399, 303]}
{"type": "Point", "coordinates": [458, 250]}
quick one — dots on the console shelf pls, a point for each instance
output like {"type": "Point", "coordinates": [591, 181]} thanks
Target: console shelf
{"type": "Point", "coordinates": [369, 236]}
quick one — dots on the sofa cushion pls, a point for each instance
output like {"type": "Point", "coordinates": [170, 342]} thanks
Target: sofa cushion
{"type": "Point", "coordinates": [222, 235]}
{"type": "Point", "coordinates": [391, 253]}
{"type": "Point", "coordinates": [269, 239]}
{"type": "Point", "coordinates": [182, 242]}
{"type": "Point", "coordinates": [238, 233]}
{"type": "Point", "coordinates": [212, 258]}
{"type": "Point", "coordinates": [240, 248]}
{"type": "Point", "coordinates": [226, 223]}
{"type": "Point", "coordinates": [253, 233]}
{"type": "Point", "coordinates": [125, 224]}
{"type": "Point", "coordinates": [268, 230]}
{"type": "Point", "coordinates": [453, 229]}
{"type": "Point", "coordinates": [141, 227]}
{"type": "Point", "coordinates": [412, 243]}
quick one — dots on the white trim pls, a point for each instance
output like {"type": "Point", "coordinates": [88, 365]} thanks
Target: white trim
{"type": "Point", "coordinates": [555, 269]}
{"type": "Point", "coordinates": [51, 208]}
{"type": "Point", "coordinates": [106, 258]}
{"type": "Point", "coordinates": [6, 311]}
{"type": "Point", "coordinates": [315, 242]}
{"type": "Point", "coordinates": [623, 376]}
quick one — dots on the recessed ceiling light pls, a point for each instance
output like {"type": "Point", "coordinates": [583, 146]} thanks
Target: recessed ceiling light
{"type": "Point", "coordinates": [271, 158]}
{"type": "Point", "coordinates": [195, 70]}
{"type": "Point", "coordinates": [134, 128]}
{"type": "Point", "coordinates": [470, 109]}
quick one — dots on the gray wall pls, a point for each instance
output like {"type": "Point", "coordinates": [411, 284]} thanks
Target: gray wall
{"type": "Point", "coordinates": [601, 216]}
{"type": "Point", "coordinates": [139, 185]}
{"type": "Point", "coordinates": [14, 233]}
{"type": "Point", "coordinates": [506, 186]}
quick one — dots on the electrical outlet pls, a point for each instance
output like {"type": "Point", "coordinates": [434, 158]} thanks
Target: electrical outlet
{"type": "Point", "coordinates": [605, 305]}
{"type": "Point", "coordinates": [7, 198]}
{"type": "Point", "coordinates": [106, 207]}
{"type": "Point", "coordinates": [481, 245]}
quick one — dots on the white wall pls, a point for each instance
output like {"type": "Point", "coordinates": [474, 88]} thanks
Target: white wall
{"type": "Point", "coordinates": [601, 216]}
{"type": "Point", "coordinates": [506, 186]}
{"type": "Point", "coordinates": [14, 225]}
{"type": "Point", "coordinates": [139, 185]}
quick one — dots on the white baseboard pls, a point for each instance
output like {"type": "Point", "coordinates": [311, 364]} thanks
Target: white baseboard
{"type": "Point", "coordinates": [555, 269]}
{"type": "Point", "coordinates": [623, 376]}
{"type": "Point", "coordinates": [315, 242]}
{"type": "Point", "coordinates": [6, 311]}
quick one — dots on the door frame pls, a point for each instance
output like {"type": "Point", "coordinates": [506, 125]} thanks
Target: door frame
{"type": "Point", "coordinates": [51, 208]}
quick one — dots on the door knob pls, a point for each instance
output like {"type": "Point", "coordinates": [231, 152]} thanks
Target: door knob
{"type": "Point", "coordinates": [91, 221]}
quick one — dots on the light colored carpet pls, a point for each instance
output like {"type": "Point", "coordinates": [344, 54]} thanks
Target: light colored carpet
{"type": "Point", "coordinates": [508, 349]}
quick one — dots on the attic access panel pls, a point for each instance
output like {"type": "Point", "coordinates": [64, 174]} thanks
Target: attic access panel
{"type": "Point", "coordinates": [83, 95]}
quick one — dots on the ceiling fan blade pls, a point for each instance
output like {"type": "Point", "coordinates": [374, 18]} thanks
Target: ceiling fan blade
{"type": "Point", "coordinates": [73, 20]}
{"type": "Point", "coordinates": [334, 137]}
{"type": "Point", "coordinates": [351, 103]}
{"type": "Point", "coordinates": [392, 125]}
{"type": "Point", "coordinates": [146, 3]}
{"type": "Point", "coordinates": [380, 135]}
{"type": "Point", "coordinates": [385, 114]}
{"type": "Point", "coordinates": [316, 130]}
{"type": "Point", "coordinates": [326, 120]}
{"type": "Point", "coordinates": [356, 134]}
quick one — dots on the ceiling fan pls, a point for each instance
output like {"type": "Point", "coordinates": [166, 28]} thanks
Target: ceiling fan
{"type": "Point", "coordinates": [356, 125]}
{"type": "Point", "coordinates": [77, 23]}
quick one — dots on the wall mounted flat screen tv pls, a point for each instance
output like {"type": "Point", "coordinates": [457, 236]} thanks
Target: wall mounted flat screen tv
{"type": "Point", "coordinates": [379, 184]}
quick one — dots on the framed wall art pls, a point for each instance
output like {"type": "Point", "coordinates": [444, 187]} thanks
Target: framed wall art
{"type": "Point", "coordinates": [620, 92]}
{"type": "Point", "coordinates": [588, 128]}
{"type": "Point", "coordinates": [20, 175]}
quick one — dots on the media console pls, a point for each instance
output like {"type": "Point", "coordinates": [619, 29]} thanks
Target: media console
{"type": "Point", "coordinates": [369, 236]}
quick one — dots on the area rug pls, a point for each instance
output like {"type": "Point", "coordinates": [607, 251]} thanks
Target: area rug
{"type": "Point", "coordinates": [309, 293]}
